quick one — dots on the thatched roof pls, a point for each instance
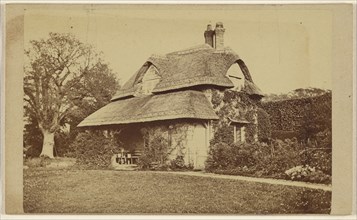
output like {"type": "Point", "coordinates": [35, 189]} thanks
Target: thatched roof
{"type": "Point", "coordinates": [251, 89]}
{"type": "Point", "coordinates": [201, 65]}
{"type": "Point", "coordinates": [182, 104]}
{"type": "Point", "coordinates": [239, 120]}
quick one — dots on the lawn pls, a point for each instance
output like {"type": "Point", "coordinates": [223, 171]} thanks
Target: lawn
{"type": "Point", "coordinates": [119, 192]}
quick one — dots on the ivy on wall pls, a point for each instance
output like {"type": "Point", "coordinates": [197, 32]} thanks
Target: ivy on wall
{"type": "Point", "coordinates": [236, 104]}
{"type": "Point", "coordinates": [164, 146]}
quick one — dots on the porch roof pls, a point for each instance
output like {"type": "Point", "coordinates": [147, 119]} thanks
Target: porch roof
{"type": "Point", "coordinates": [175, 105]}
{"type": "Point", "coordinates": [240, 120]}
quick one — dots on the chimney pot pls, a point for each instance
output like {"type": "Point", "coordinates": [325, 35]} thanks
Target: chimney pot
{"type": "Point", "coordinates": [219, 25]}
{"type": "Point", "coordinates": [209, 34]}
{"type": "Point", "coordinates": [219, 32]}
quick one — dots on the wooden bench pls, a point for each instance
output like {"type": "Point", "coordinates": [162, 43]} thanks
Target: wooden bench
{"type": "Point", "coordinates": [128, 158]}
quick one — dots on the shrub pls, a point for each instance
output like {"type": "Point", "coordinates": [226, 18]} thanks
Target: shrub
{"type": "Point", "coordinates": [32, 138]}
{"type": "Point", "coordinates": [299, 172]}
{"type": "Point", "coordinates": [62, 142]}
{"type": "Point", "coordinates": [37, 162]}
{"type": "Point", "coordinates": [280, 156]}
{"type": "Point", "coordinates": [223, 134]}
{"type": "Point", "coordinates": [156, 150]}
{"type": "Point", "coordinates": [242, 155]}
{"type": "Point", "coordinates": [318, 177]}
{"type": "Point", "coordinates": [32, 151]}
{"type": "Point", "coordinates": [283, 135]}
{"type": "Point", "coordinates": [218, 157]}
{"type": "Point", "coordinates": [237, 158]}
{"type": "Point", "coordinates": [324, 138]}
{"type": "Point", "coordinates": [179, 164]}
{"type": "Point", "coordinates": [307, 173]}
{"type": "Point", "coordinates": [267, 160]}
{"type": "Point", "coordinates": [93, 149]}
{"type": "Point", "coordinates": [322, 160]}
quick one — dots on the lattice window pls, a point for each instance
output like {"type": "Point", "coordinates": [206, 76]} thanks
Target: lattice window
{"type": "Point", "coordinates": [239, 133]}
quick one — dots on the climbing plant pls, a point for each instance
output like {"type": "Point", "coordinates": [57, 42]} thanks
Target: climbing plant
{"type": "Point", "coordinates": [233, 104]}
{"type": "Point", "coordinates": [164, 146]}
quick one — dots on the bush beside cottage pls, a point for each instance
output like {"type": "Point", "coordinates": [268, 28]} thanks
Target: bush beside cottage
{"type": "Point", "coordinates": [279, 159]}
{"type": "Point", "coordinates": [93, 149]}
{"type": "Point", "coordinates": [294, 141]}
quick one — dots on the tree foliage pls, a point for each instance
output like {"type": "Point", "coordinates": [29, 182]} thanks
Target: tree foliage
{"type": "Point", "coordinates": [296, 94]}
{"type": "Point", "coordinates": [65, 80]}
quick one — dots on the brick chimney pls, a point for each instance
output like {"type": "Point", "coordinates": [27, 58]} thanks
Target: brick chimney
{"type": "Point", "coordinates": [209, 34]}
{"type": "Point", "coordinates": [219, 32]}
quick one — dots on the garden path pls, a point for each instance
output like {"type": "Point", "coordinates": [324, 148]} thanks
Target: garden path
{"type": "Point", "coordinates": [259, 180]}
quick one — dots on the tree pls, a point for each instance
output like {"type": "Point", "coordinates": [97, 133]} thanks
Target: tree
{"type": "Point", "coordinates": [65, 79]}
{"type": "Point", "coordinates": [296, 94]}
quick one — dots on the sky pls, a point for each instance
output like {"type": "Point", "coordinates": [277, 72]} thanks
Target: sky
{"type": "Point", "coordinates": [284, 47]}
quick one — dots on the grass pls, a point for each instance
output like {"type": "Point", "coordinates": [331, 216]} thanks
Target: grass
{"type": "Point", "coordinates": [130, 192]}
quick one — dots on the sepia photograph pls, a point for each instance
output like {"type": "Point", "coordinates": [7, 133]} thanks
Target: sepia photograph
{"type": "Point", "coordinates": [177, 109]}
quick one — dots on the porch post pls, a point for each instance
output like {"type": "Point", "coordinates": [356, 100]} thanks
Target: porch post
{"type": "Point", "coordinates": [235, 133]}
{"type": "Point", "coordinates": [242, 133]}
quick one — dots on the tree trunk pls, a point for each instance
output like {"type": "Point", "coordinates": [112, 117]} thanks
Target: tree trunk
{"type": "Point", "coordinates": [48, 143]}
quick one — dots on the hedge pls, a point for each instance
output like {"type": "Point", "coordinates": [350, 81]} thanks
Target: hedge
{"type": "Point", "coordinates": [306, 117]}
{"type": "Point", "coordinates": [270, 160]}
{"type": "Point", "coordinates": [93, 149]}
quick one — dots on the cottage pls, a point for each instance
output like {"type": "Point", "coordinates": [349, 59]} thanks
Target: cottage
{"type": "Point", "coordinates": [172, 96]}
